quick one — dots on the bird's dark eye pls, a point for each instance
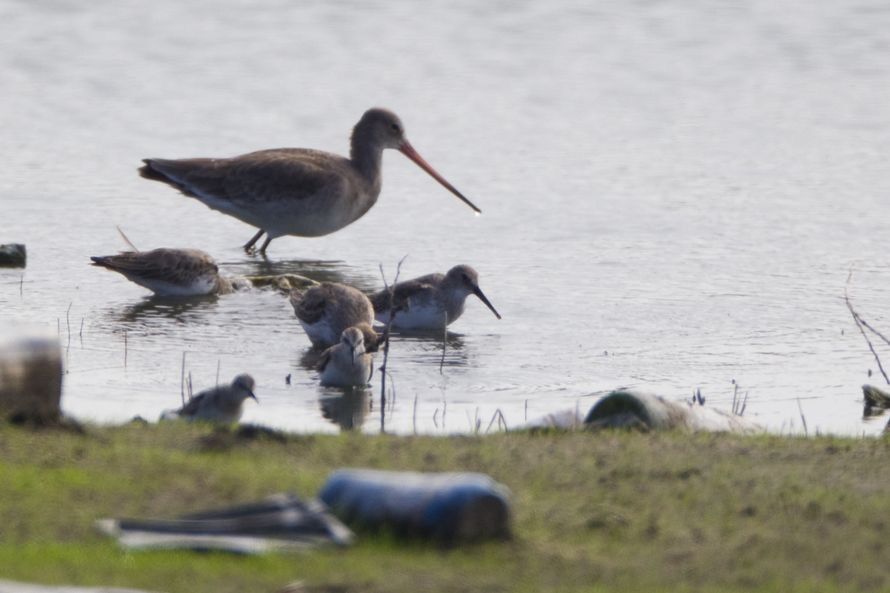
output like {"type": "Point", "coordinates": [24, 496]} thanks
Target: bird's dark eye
{"type": "Point", "coordinates": [395, 127]}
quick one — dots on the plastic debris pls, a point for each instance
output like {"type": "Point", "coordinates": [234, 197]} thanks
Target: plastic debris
{"type": "Point", "coordinates": [280, 522]}
{"type": "Point", "coordinates": [16, 587]}
{"type": "Point", "coordinates": [446, 507]}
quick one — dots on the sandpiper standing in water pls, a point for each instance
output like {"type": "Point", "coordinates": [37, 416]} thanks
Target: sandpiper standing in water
{"type": "Point", "coordinates": [171, 272]}
{"type": "Point", "coordinates": [429, 302]}
{"type": "Point", "coordinates": [296, 191]}
{"type": "Point", "coordinates": [347, 364]}
{"type": "Point", "coordinates": [223, 404]}
{"type": "Point", "coordinates": [326, 310]}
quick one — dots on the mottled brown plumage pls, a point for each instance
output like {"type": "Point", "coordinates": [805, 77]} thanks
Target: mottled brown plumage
{"type": "Point", "coordinates": [169, 272]}
{"type": "Point", "coordinates": [326, 310]}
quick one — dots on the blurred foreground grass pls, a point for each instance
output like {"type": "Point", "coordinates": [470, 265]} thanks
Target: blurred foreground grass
{"type": "Point", "coordinates": [593, 512]}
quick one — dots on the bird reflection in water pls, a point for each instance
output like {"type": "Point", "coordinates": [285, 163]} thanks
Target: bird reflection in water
{"type": "Point", "coordinates": [180, 309]}
{"type": "Point", "coordinates": [318, 270]}
{"type": "Point", "coordinates": [426, 347]}
{"type": "Point", "coordinates": [346, 408]}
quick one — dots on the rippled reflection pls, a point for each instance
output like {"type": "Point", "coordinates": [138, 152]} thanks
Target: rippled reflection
{"type": "Point", "coordinates": [346, 408]}
{"type": "Point", "coordinates": [181, 309]}
{"type": "Point", "coordinates": [318, 270]}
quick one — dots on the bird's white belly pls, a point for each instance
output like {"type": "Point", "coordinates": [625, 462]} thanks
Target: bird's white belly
{"type": "Point", "coordinates": [321, 333]}
{"type": "Point", "coordinates": [197, 287]}
{"type": "Point", "coordinates": [427, 315]}
{"type": "Point", "coordinates": [215, 414]}
{"type": "Point", "coordinates": [339, 375]}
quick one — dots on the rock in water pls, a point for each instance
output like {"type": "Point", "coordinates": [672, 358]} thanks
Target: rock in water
{"type": "Point", "coordinates": [30, 377]}
{"type": "Point", "coordinates": [13, 255]}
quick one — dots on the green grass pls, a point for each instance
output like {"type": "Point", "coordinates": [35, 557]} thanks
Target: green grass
{"type": "Point", "coordinates": [593, 512]}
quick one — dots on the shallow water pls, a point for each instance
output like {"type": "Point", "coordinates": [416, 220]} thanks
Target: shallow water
{"type": "Point", "coordinates": [673, 194]}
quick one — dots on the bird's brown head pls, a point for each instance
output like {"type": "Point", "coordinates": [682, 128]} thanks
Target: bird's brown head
{"type": "Point", "coordinates": [467, 278]}
{"type": "Point", "coordinates": [245, 383]}
{"type": "Point", "coordinates": [382, 128]}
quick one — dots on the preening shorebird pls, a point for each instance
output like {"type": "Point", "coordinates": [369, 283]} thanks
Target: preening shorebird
{"type": "Point", "coordinates": [326, 310]}
{"type": "Point", "coordinates": [171, 272]}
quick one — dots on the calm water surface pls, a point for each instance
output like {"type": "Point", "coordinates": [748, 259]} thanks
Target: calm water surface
{"type": "Point", "coordinates": [673, 194]}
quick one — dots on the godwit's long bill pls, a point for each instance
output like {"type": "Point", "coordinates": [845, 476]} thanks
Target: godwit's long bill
{"type": "Point", "coordinates": [296, 191]}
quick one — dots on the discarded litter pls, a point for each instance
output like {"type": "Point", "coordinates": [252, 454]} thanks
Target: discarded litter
{"type": "Point", "coordinates": [280, 522]}
{"type": "Point", "coordinates": [446, 507]}
{"type": "Point", "coordinates": [16, 587]}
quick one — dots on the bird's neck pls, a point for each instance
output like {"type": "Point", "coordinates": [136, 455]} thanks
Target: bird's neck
{"type": "Point", "coordinates": [366, 156]}
{"type": "Point", "coordinates": [454, 301]}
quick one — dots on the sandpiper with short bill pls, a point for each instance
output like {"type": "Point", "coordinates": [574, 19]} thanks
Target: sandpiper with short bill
{"type": "Point", "coordinates": [223, 404]}
{"type": "Point", "coordinates": [347, 364]}
{"type": "Point", "coordinates": [172, 272]}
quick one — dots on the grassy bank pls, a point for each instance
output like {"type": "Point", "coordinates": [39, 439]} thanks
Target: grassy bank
{"type": "Point", "coordinates": [593, 512]}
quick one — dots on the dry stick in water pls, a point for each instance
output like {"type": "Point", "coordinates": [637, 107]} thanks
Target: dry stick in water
{"type": "Point", "coordinates": [182, 381]}
{"type": "Point", "coordinates": [444, 342]}
{"type": "Point", "coordinates": [392, 314]}
{"type": "Point", "coordinates": [499, 417]}
{"type": "Point", "coordinates": [802, 418]}
{"type": "Point", "coordinates": [414, 418]}
{"type": "Point", "coordinates": [860, 325]}
{"type": "Point", "coordinates": [68, 323]}
{"type": "Point", "coordinates": [126, 239]}
{"type": "Point", "coordinates": [744, 404]}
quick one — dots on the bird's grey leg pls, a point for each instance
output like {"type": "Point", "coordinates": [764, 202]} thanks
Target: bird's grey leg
{"type": "Point", "coordinates": [249, 244]}
{"type": "Point", "coordinates": [265, 244]}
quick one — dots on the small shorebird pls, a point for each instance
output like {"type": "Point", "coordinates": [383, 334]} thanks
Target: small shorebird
{"type": "Point", "coordinates": [296, 191]}
{"type": "Point", "coordinates": [431, 301]}
{"type": "Point", "coordinates": [171, 272]}
{"type": "Point", "coordinates": [223, 404]}
{"type": "Point", "coordinates": [326, 310]}
{"type": "Point", "coordinates": [347, 364]}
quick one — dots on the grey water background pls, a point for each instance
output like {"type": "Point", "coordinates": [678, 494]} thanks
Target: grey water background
{"type": "Point", "coordinates": [673, 194]}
